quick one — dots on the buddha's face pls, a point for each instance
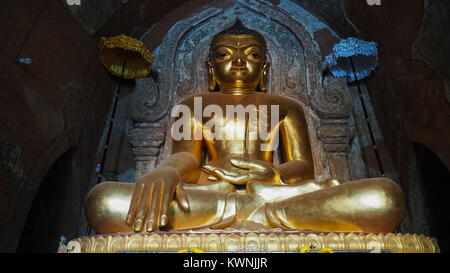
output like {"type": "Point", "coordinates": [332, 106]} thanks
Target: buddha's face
{"type": "Point", "coordinates": [237, 61]}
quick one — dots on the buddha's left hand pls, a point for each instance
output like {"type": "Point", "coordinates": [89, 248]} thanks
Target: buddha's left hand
{"type": "Point", "coordinates": [249, 170]}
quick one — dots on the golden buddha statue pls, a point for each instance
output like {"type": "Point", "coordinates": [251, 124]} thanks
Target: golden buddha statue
{"type": "Point", "coordinates": [240, 186]}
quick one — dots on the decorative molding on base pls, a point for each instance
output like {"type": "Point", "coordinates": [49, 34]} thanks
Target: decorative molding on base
{"type": "Point", "coordinates": [267, 241]}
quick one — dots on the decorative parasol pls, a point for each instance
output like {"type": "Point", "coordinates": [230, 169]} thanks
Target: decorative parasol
{"type": "Point", "coordinates": [352, 58]}
{"type": "Point", "coordinates": [125, 57]}
{"type": "Point", "coordinates": [355, 59]}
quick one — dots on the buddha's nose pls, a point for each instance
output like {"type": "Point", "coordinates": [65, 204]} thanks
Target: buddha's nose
{"type": "Point", "coordinates": [239, 61]}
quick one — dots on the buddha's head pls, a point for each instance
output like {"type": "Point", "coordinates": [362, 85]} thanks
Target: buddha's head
{"type": "Point", "coordinates": [237, 61]}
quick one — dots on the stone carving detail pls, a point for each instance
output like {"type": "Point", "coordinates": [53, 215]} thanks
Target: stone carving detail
{"type": "Point", "coordinates": [146, 141]}
{"type": "Point", "coordinates": [144, 102]}
{"type": "Point", "coordinates": [336, 138]}
{"type": "Point", "coordinates": [295, 72]}
{"type": "Point", "coordinates": [333, 102]}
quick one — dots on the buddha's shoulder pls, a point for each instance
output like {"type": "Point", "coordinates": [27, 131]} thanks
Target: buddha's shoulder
{"type": "Point", "coordinates": [282, 100]}
{"type": "Point", "coordinates": [257, 98]}
{"type": "Point", "coordinates": [206, 98]}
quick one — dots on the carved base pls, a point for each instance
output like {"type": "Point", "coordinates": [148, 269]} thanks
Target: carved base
{"type": "Point", "coordinates": [249, 241]}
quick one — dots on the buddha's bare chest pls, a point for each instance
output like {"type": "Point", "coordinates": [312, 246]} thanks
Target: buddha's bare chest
{"type": "Point", "coordinates": [246, 127]}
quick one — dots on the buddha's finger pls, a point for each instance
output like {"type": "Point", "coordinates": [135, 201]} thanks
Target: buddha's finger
{"type": "Point", "coordinates": [153, 210]}
{"type": "Point", "coordinates": [208, 168]}
{"type": "Point", "coordinates": [134, 203]}
{"type": "Point", "coordinates": [251, 175]}
{"type": "Point", "coordinates": [212, 178]}
{"type": "Point", "coordinates": [167, 193]}
{"type": "Point", "coordinates": [228, 178]}
{"type": "Point", "coordinates": [243, 178]}
{"type": "Point", "coordinates": [220, 174]}
{"type": "Point", "coordinates": [182, 199]}
{"type": "Point", "coordinates": [142, 208]}
{"type": "Point", "coordinates": [247, 164]}
{"type": "Point", "coordinates": [230, 173]}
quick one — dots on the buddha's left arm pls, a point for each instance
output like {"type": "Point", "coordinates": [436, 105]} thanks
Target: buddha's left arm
{"type": "Point", "coordinates": [298, 164]}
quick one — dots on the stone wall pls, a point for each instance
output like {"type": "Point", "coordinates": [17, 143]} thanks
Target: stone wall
{"type": "Point", "coordinates": [409, 95]}
{"type": "Point", "coordinates": [410, 91]}
{"type": "Point", "coordinates": [57, 103]}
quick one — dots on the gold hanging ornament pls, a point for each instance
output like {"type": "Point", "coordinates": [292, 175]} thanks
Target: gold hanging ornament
{"type": "Point", "coordinates": [125, 57]}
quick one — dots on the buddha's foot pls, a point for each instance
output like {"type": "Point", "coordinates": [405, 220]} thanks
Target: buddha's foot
{"type": "Point", "coordinates": [368, 205]}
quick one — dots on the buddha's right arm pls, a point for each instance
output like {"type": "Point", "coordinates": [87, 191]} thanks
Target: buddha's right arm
{"type": "Point", "coordinates": [187, 154]}
{"type": "Point", "coordinates": [187, 165]}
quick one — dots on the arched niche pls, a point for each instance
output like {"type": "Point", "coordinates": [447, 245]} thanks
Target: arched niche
{"type": "Point", "coordinates": [295, 72]}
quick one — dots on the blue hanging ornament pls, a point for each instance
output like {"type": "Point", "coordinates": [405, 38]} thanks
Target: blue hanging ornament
{"type": "Point", "coordinates": [363, 55]}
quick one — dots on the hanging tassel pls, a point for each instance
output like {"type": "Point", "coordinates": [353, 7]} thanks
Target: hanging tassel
{"type": "Point", "coordinates": [23, 60]}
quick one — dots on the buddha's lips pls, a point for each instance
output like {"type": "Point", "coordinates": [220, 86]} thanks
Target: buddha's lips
{"type": "Point", "coordinates": [239, 70]}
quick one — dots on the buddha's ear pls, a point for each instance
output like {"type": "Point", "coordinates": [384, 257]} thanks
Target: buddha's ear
{"type": "Point", "coordinates": [212, 82]}
{"type": "Point", "coordinates": [264, 76]}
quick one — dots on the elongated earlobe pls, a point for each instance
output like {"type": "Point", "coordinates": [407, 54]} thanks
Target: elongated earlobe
{"type": "Point", "coordinates": [212, 82]}
{"type": "Point", "coordinates": [263, 77]}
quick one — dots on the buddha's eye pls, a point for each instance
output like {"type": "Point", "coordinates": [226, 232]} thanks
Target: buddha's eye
{"type": "Point", "coordinates": [223, 55]}
{"type": "Point", "coordinates": [254, 55]}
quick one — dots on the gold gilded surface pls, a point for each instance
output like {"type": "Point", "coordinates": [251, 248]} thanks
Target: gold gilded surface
{"type": "Point", "coordinates": [240, 186]}
{"type": "Point", "coordinates": [125, 57]}
{"type": "Point", "coordinates": [268, 241]}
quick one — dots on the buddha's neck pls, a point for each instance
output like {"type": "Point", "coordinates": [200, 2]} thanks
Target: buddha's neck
{"type": "Point", "coordinates": [237, 90]}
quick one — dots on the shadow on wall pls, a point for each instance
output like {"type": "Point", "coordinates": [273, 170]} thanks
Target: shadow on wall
{"type": "Point", "coordinates": [51, 210]}
{"type": "Point", "coordinates": [432, 189]}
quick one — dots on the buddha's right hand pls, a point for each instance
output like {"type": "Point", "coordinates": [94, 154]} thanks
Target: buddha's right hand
{"type": "Point", "coordinates": [152, 197]}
